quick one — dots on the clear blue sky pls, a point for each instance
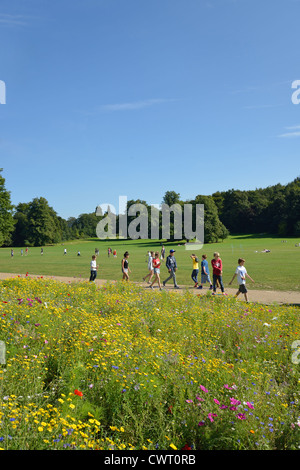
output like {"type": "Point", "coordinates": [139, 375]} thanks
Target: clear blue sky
{"type": "Point", "coordinates": [113, 97]}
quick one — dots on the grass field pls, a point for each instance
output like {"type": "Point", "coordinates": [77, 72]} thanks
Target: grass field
{"type": "Point", "coordinates": [121, 368]}
{"type": "Point", "coordinates": [275, 270]}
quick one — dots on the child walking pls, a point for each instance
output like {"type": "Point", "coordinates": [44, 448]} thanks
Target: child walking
{"type": "Point", "coordinates": [241, 273]}
{"type": "Point", "coordinates": [94, 268]}
{"type": "Point", "coordinates": [205, 273]}
{"type": "Point", "coordinates": [216, 263]}
{"type": "Point", "coordinates": [195, 271]}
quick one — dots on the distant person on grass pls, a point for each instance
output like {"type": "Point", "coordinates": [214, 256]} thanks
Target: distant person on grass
{"type": "Point", "coordinates": [205, 273]}
{"type": "Point", "coordinates": [156, 269]}
{"type": "Point", "coordinates": [125, 266]}
{"type": "Point", "coordinates": [241, 274]}
{"type": "Point", "coordinates": [216, 263]}
{"type": "Point", "coordinates": [150, 267]}
{"type": "Point", "coordinates": [163, 253]}
{"type": "Point", "coordinates": [171, 265]}
{"type": "Point", "coordinates": [94, 268]}
{"type": "Point", "coordinates": [195, 271]}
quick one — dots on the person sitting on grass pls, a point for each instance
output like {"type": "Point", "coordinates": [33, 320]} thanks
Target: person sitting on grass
{"type": "Point", "coordinates": [241, 274]}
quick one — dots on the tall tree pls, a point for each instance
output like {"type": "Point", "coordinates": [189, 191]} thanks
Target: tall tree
{"type": "Point", "coordinates": [6, 213]}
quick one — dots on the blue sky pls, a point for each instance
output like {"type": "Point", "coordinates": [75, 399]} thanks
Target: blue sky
{"type": "Point", "coordinates": [112, 97]}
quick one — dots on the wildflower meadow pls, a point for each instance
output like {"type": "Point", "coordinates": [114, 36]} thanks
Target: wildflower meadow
{"type": "Point", "coordinates": [125, 368]}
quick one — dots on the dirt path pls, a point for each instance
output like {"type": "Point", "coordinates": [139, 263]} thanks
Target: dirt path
{"type": "Point", "coordinates": [262, 296]}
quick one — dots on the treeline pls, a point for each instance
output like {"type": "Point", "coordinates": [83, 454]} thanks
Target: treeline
{"type": "Point", "coordinates": [273, 210]}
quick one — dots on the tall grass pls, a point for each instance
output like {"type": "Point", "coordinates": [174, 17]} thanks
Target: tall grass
{"type": "Point", "coordinates": [120, 367]}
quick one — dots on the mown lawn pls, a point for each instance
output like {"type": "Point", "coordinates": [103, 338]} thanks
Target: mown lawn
{"type": "Point", "coordinates": [275, 270]}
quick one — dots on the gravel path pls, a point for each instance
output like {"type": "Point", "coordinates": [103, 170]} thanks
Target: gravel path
{"type": "Point", "coordinates": [261, 296]}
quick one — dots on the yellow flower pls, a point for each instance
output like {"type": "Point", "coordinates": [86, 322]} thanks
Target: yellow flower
{"type": "Point", "coordinates": [173, 447]}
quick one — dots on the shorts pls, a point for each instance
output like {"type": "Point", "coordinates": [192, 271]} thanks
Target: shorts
{"type": "Point", "coordinates": [125, 270]}
{"type": "Point", "coordinates": [243, 289]}
{"type": "Point", "coordinates": [156, 270]}
{"type": "Point", "coordinates": [204, 278]}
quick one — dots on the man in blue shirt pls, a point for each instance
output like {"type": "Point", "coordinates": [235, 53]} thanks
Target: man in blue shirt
{"type": "Point", "coordinates": [204, 272]}
{"type": "Point", "coordinates": [172, 268]}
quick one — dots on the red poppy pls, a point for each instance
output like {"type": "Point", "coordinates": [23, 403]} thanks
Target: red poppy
{"type": "Point", "coordinates": [77, 392]}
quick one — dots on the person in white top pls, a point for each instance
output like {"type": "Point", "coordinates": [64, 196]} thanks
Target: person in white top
{"type": "Point", "coordinates": [94, 268]}
{"type": "Point", "coordinates": [241, 273]}
{"type": "Point", "coordinates": [150, 267]}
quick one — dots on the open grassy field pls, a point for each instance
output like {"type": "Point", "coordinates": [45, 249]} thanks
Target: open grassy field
{"type": "Point", "coordinates": [119, 367]}
{"type": "Point", "coordinates": [277, 270]}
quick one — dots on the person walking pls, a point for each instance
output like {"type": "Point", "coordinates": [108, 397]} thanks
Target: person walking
{"type": "Point", "coordinates": [150, 267]}
{"type": "Point", "coordinates": [217, 266]}
{"type": "Point", "coordinates": [156, 269]}
{"type": "Point", "coordinates": [171, 265]}
{"type": "Point", "coordinates": [163, 253]}
{"type": "Point", "coordinates": [195, 271]}
{"type": "Point", "coordinates": [241, 273]}
{"type": "Point", "coordinates": [205, 273]}
{"type": "Point", "coordinates": [125, 266]}
{"type": "Point", "coordinates": [94, 268]}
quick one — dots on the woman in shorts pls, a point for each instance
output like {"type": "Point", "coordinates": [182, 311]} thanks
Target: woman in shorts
{"type": "Point", "coordinates": [125, 266]}
{"type": "Point", "coordinates": [156, 270]}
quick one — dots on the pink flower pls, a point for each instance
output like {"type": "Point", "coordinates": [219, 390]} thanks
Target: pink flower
{"type": "Point", "coordinates": [241, 416]}
{"type": "Point", "coordinates": [235, 402]}
{"type": "Point", "coordinates": [199, 398]}
{"type": "Point", "coordinates": [189, 401]}
{"type": "Point", "coordinates": [250, 405]}
{"type": "Point", "coordinates": [211, 416]}
{"type": "Point", "coordinates": [203, 389]}
{"type": "Point", "coordinates": [216, 401]}
{"type": "Point", "coordinates": [227, 386]}
{"type": "Point", "coordinates": [201, 423]}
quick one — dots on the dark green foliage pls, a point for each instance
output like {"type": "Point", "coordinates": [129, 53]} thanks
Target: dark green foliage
{"type": "Point", "coordinates": [6, 218]}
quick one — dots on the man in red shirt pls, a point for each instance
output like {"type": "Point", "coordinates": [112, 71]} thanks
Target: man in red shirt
{"type": "Point", "coordinates": [216, 263]}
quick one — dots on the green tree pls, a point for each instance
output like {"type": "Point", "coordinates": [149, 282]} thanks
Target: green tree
{"type": "Point", "coordinates": [6, 214]}
{"type": "Point", "coordinates": [21, 224]}
{"type": "Point", "coordinates": [214, 229]}
{"type": "Point", "coordinates": [43, 225]}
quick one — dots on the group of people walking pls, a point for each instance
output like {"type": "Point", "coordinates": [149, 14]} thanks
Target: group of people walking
{"type": "Point", "coordinates": [217, 267]}
{"type": "Point", "coordinates": [154, 264]}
